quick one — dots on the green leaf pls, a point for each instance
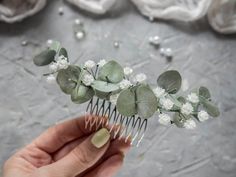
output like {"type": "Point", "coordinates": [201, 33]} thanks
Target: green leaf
{"type": "Point", "coordinates": [204, 92]}
{"type": "Point", "coordinates": [211, 109]}
{"type": "Point", "coordinates": [179, 120]}
{"type": "Point", "coordinates": [82, 94]}
{"type": "Point", "coordinates": [111, 72]}
{"type": "Point", "coordinates": [126, 103]}
{"type": "Point", "coordinates": [146, 101]}
{"type": "Point", "coordinates": [104, 86]}
{"type": "Point", "coordinates": [170, 81]}
{"type": "Point", "coordinates": [55, 46]}
{"type": "Point", "coordinates": [44, 58]}
{"type": "Point", "coordinates": [102, 95]}
{"type": "Point", "coordinates": [67, 79]}
{"type": "Point", "coordinates": [63, 52]}
{"type": "Point", "coordinates": [181, 100]}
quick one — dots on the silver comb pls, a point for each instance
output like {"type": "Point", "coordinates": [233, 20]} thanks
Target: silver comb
{"type": "Point", "coordinates": [132, 127]}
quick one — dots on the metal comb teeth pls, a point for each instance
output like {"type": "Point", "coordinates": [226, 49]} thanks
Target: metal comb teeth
{"type": "Point", "coordinates": [131, 128]}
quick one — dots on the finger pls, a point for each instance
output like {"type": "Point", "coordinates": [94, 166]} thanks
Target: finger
{"type": "Point", "coordinates": [83, 156]}
{"type": "Point", "coordinates": [57, 136]}
{"type": "Point", "coordinates": [108, 168]}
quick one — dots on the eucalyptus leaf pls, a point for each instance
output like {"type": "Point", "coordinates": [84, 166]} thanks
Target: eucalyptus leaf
{"type": "Point", "coordinates": [170, 81]}
{"type": "Point", "coordinates": [211, 109]}
{"type": "Point", "coordinates": [63, 52]}
{"type": "Point", "coordinates": [82, 94]}
{"type": "Point", "coordinates": [67, 78]}
{"type": "Point", "coordinates": [146, 101]}
{"type": "Point", "coordinates": [182, 100]}
{"type": "Point", "coordinates": [178, 119]}
{"type": "Point", "coordinates": [111, 72]}
{"type": "Point", "coordinates": [44, 58]}
{"type": "Point", "coordinates": [102, 95]}
{"type": "Point", "coordinates": [126, 103]}
{"type": "Point", "coordinates": [104, 86]}
{"type": "Point", "coordinates": [204, 92]}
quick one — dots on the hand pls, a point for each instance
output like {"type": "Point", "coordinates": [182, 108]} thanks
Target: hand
{"type": "Point", "coordinates": [69, 149]}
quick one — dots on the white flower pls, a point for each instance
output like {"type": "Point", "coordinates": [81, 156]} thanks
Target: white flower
{"type": "Point", "coordinates": [113, 98]}
{"type": "Point", "coordinates": [187, 109]}
{"type": "Point", "coordinates": [62, 62]}
{"type": "Point", "coordinates": [159, 92]}
{"type": "Point", "coordinates": [189, 124]}
{"type": "Point", "coordinates": [125, 84]}
{"type": "Point", "coordinates": [164, 119]}
{"type": "Point", "coordinates": [89, 64]}
{"type": "Point", "coordinates": [102, 63]}
{"type": "Point", "coordinates": [51, 79]}
{"type": "Point", "coordinates": [166, 103]}
{"type": "Point", "coordinates": [87, 79]}
{"type": "Point", "coordinates": [193, 98]}
{"type": "Point", "coordinates": [53, 67]}
{"type": "Point", "coordinates": [140, 77]}
{"type": "Point", "coordinates": [128, 71]}
{"type": "Point", "coordinates": [203, 116]}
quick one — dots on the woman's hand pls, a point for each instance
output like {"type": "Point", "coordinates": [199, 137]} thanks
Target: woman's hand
{"type": "Point", "coordinates": [69, 150]}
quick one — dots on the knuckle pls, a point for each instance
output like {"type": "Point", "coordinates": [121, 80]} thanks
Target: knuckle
{"type": "Point", "coordinates": [82, 157]}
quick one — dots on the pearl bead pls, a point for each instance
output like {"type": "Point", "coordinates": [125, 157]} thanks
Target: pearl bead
{"type": "Point", "coordinates": [116, 44]}
{"type": "Point", "coordinates": [155, 40]}
{"type": "Point", "coordinates": [80, 35]}
{"type": "Point", "coordinates": [78, 22]}
{"type": "Point", "coordinates": [24, 43]}
{"type": "Point", "coordinates": [49, 42]}
{"type": "Point", "coordinates": [168, 52]}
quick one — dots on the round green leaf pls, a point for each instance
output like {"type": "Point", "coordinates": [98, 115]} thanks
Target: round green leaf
{"type": "Point", "coordinates": [44, 58]}
{"type": "Point", "coordinates": [63, 52]}
{"type": "Point", "coordinates": [181, 100]}
{"type": "Point", "coordinates": [82, 94]}
{"type": "Point", "coordinates": [179, 120]}
{"type": "Point", "coordinates": [211, 109]}
{"type": "Point", "coordinates": [170, 81]}
{"type": "Point", "coordinates": [102, 95]}
{"type": "Point", "coordinates": [204, 92]}
{"type": "Point", "coordinates": [67, 78]}
{"type": "Point", "coordinates": [111, 72]}
{"type": "Point", "coordinates": [146, 101]}
{"type": "Point", "coordinates": [104, 86]}
{"type": "Point", "coordinates": [126, 103]}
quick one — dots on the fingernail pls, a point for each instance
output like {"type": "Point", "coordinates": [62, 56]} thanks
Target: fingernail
{"type": "Point", "coordinates": [100, 138]}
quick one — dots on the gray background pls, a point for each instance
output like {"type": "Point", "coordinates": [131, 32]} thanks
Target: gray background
{"type": "Point", "coordinates": [28, 105]}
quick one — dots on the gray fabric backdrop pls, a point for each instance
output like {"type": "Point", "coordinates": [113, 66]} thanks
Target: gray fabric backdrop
{"type": "Point", "coordinates": [28, 105]}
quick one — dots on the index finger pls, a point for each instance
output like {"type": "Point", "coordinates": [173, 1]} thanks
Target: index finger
{"type": "Point", "coordinates": [57, 136]}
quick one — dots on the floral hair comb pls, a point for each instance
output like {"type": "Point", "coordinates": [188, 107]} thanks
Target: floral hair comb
{"type": "Point", "coordinates": [126, 100]}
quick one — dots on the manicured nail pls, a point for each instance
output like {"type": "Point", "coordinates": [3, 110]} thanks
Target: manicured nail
{"type": "Point", "coordinates": [100, 138]}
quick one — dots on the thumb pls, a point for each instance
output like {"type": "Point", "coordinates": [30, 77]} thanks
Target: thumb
{"type": "Point", "coordinates": [83, 156]}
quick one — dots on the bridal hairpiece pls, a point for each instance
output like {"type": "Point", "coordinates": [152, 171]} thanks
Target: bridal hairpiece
{"type": "Point", "coordinates": [124, 98]}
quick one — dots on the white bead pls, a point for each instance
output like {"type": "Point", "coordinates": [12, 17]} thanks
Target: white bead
{"type": "Point", "coordinates": [61, 10]}
{"type": "Point", "coordinates": [78, 22]}
{"type": "Point", "coordinates": [49, 42]}
{"type": "Point", "coordinates": [155, 40]}
{"type": "Point", "coordinates": [168, 52]}
{"type": "Point", "coordinates": [80, 35]}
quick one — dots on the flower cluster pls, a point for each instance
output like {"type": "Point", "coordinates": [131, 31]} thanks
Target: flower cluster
{"type": "Point", "coordinates": [129, 92]}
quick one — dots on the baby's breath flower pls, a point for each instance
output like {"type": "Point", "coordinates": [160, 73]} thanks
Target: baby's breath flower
{"type": "Point", "coordinates": [113, 98]}
{"type": "Point", "coordinates": [193, 98]}
{"type": "Point", "coordinates": [62, 62]}
{"type": "Point", "coordinates": [51, 79]}
{"type": "Point", "coordinates": [125, 84]}
{"type": "Point", "coordinates": [187, 109]}
{"type": "Point", "coordinates": [53, 67]}
{"type": "Point", "coordinates": [164, 119]}
{"type": "Point", "coordinates": [166, 103]}
{"type": "Point", "coordinates": [202, 116]}
{"type": "Point", "coordinates": [87, 79]}
{"type": "Point", "coordinates": [189, 124]}
{"type": "Point", "coordinates": [128, 71]}
{"type": "Point", "coordinates": [140, 77]}
{"type": "Point", "coordinates": [102, 63]}
{"type": "Point", "coordinates": [159, 92]}
{"type": "Point", "coordinates": [89, 64]}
